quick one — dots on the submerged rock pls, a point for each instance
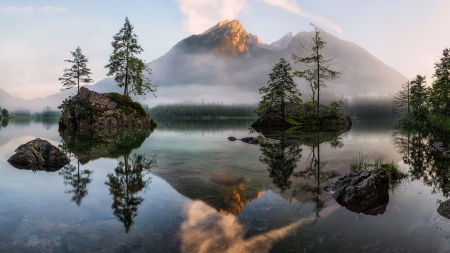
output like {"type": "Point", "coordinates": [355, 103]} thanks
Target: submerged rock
{"type": "Point", "coordinates": [362, 191]}
{"type": "Point", "coordinates": [38, 154]}
{"type": "Point", "coordinates": [255, 141]}
{"type": "Point", "coordinates": [444, 209]}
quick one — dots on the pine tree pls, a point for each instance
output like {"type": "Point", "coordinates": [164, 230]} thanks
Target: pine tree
{"type": "Point", "coordinates": [401, 100]}
{"type": "Point", "coordinates": [317, 68]}
{"type": "Point", "coordinates": [127, 69]}
{"type": "Point", "coordinates": [281, 90]}
{"type": "Point", "coordinates": [419, 97]}
{"type": "Point", "coordinates": [77, 73]}
{"type": "Point", "coordinates": [441, 84]}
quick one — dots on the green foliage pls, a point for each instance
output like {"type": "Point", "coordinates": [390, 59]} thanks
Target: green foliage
{"type": "Point", "coordinates": [280, 92]}
{"type": "Point", "coordinates": [5, 113]}
{"type": "Point", "coordinates": [127, 69]}
{"type": "Point", "coordinates": [393, 171]}
{"type": "Point", "coordinates": [76, 105]}
{"type": "Point", "coordinates": [77, 73]}
{"type": "Point", "coordinates": [401, 100]}
{"type": "Point", "coordinates": [362, 162]}
{"type": "Point", "coordinates": [126, 104]}
{"type": "Point", "coordinates": [440, 92]}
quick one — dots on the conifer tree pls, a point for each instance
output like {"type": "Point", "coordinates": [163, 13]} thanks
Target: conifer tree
{"type": "Point", "coordinates": [441, 84]}
{"type": "Point", "coordinates": [127, 69]}
{"type": "Point", "coordinates": [401, 100]}
{"type": "Point", "coordinates": [317, 70]}
{"type": "Point", "coordinates": [280, 91]}
{"type": "Point", "coordinates": [77, 73]}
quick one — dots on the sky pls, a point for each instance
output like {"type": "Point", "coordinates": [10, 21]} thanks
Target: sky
{"type": "Point", "coordinates": [37, 36]}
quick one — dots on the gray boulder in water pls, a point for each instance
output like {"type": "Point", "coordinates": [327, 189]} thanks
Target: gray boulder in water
{"type": "Point", "coordinates": [38, 154]}
{"type": "Point", "coordinates": [444, 209]}
{"type": "Point", "coordinates": [362, 191]}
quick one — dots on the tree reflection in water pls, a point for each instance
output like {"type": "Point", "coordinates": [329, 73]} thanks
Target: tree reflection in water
{"type": "Point", "coordinates": [77, 179]}
{"type": "Point", "coordinates": [282, 161]}
{"type": "Point", "coordinates": [125, 184]}
{"type": "Point", "coordinates": [425, 162]}
{"type": "Point", "coordinates": [315, 174]}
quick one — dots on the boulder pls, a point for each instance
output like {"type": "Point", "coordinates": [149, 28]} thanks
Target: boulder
{"type": "Point", "coordinates": [106, 111]}
{"type": "Point", "coordinates": [38, 154]}
{"type": "Point", "coordinates": [232, 138]}
{"type": "Point", "coordinates": [362, 191]}
{"type": "Point", "coordinates": [444, 209]}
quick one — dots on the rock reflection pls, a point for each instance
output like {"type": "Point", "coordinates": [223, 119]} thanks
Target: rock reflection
{"type": "Point", "coordinates": [109, 143]}
{"type": "Point", "coordinates": [205, 230]}
{"type": "Point", "coordinates": [78, 180]}
{"type": "Point", "coordinates": [126, 183]}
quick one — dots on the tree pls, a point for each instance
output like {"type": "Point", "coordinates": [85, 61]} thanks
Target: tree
{"type": "Point", "coordinates": [419, 94]}
{"type": "Point", "coordinates": [127, 69]}
{"type": "Point", "coordinates": [5, 113]}
{"type": "Point", "coordinates": [317, 68]}
{"type": "Point", "coordinates": [281, 90]}
{"type": "Point", "coordinates": [77, 73]}
{"type": "Point", "coordinates": [441, 84]}
{"type": "Point", "coordinates": [401, 100]}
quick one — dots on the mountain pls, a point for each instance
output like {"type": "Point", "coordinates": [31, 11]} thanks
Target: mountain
{"type": "Point", "coordinates": [227, 55]}
{"type": "Point", "coordinates": [226, 63]}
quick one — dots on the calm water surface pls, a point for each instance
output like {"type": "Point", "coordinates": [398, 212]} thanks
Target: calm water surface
{"type": "Point", "coordinates": [185, 188]}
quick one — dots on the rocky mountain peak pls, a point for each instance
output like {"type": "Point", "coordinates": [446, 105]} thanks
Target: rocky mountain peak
{"type": "Point", "coordinates": [281, 43]}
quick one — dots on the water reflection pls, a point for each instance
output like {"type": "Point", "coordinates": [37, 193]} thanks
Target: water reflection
{"type": "Point", "coordinates": [205, 230]}
{"type": "Point", "coordinates": [425, 163]}
{"type": "Point", "coordinates": [125, 184]}
{"type": "Point", "coordinates": [282, 160]}
{"type": "Point", "coordinates": [78, 180]}
{"type": "Point", "coordinates": [113, 143]}
{"type": "Point", "coordinates": [5, 122]}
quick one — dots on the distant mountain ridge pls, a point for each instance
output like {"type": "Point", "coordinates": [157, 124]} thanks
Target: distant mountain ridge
{"type": "Point", "coordinates": [238, 62]}
{"type": "Point", "coordinates": [227, 55]}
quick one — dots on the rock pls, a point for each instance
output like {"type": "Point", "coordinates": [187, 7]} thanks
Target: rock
{"type": "Point", "coordinates": [106, 110]}
{"type": "Point", "coordinates": [232, 138]}
{"type": "Point", "coordinates": [39, 154]}
{"type": "Point", "coordinates": [361, 191]}
{"type": "Point", "coordinates": [444, 209]}
{"type": "Point", "coordinates": [247, 139]}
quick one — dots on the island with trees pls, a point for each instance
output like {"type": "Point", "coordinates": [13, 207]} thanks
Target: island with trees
{"type": "Point", "coordinates": [89, 110]}
{"type": "Point", "coordinates": [281, 104]}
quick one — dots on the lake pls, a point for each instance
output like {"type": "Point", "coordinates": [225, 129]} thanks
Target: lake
{"type": "Point", "coordinates": [186, 188]}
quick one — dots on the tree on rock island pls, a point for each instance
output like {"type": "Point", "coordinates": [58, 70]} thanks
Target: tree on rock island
{"type": "Point", "coordinates": [280, 91]}
{"type": "Point", "coordinates": [127, 69]}
{"type": "Point", "coordinates": [317, 68]}
{"type": "Point", "coordinates": [77, 73]}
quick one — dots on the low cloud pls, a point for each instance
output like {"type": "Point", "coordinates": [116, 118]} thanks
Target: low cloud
{"type": "Point", "coordinates": [31, 10]}
{"type": "Point", "coordinates": [291, 5]}
{"type": "Point", "coordinates": [203, 14]}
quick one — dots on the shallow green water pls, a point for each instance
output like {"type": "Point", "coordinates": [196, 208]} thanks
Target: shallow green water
{"type": "Point", "coordinates": [195, 191]}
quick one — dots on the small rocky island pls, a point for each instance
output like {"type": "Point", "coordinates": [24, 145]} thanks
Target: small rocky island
{"type": "Point", "coordinates": [90, 110]}
{"type": "Point", "coordinates": [304, 117]}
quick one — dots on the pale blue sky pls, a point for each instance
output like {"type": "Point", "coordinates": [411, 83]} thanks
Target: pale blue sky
{"type": "Point", "coordinates": [37, 36]}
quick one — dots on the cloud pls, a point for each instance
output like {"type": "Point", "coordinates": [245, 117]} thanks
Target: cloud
{"type": "Point", "coordinates": [51, 9]}
{"type": "Point", "coordinates": [205, 230]}
{"type": "Point", "coordinates": [203, 14]}
{"type": "Point", "coordinates": [31, 9]}
{"type": "Point", "coordinates": [291, 5]}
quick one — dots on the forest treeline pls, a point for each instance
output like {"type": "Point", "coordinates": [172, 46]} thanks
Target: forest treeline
{"type": "Point", "coordinates": [362, 106]}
